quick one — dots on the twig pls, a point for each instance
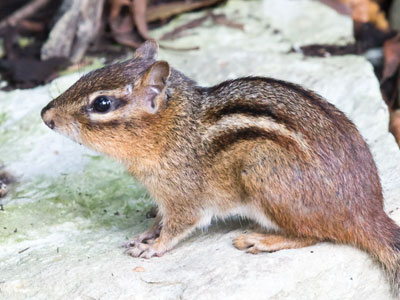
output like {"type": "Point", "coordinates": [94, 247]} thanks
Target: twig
{"type": "Point", "coordinates": [179, 29]}
{"type": "Point", "coordinates": [23, 13]}
{"type": "Point", "coordinates": [221, 19]}
{"type": "Point", "coordinates": [23, 250]}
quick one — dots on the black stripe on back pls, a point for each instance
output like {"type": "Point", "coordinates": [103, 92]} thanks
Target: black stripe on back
{"type": "Point", "coordinates": [228, 139]}
{"type": "Point", "coordinates": [257, 110]}
{"type": "Point", "coordinates": [323, 105]}
{"type": "Point", "coordinates": [315, 99]}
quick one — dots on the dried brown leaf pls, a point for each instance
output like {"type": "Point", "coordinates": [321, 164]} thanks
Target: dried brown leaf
{"type": "Point", "coordinates": [139, 8]}
{"type": "Point", "coordinates": [367, 11]}
{"type": "Point", "coordinates": [395, 125]}
{"type": "Point", "coordinates": [116, 6]}
{"type": "Point", "coordinates": [122, 26]}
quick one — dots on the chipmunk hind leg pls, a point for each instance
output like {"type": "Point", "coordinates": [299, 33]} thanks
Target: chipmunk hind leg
{"type": "Point", "coordinates": [269, 242]}
{"type": "Point", "coordinates": [264, 182]}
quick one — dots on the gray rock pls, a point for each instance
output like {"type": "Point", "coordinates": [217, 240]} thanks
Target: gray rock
{"type": "Point", "coordinates": [64, 206]}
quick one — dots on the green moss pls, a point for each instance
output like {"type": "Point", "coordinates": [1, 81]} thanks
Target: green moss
{"type": "Point", "coordinates": [102, 195]}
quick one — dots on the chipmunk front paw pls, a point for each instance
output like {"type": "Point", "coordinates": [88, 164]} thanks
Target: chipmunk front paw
{"type": "Point", "coordinates": [145, 250]}
{"type": "Point", "coordinates": [148, 237]}
{"type": "Point", "coordinates": [135, 242]}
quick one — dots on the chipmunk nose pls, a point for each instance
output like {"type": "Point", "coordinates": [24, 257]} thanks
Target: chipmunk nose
{"type": "Point", "coordinates": [47, 116]}
{"type": "Point", "coordinates": [50, 124]}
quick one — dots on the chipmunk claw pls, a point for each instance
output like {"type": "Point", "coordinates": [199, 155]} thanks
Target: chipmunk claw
{"type": "Point", "coordinates": [136, 242]}
{"type": "Point", "coordinates": [130, 244]}
{"type": "Point", "coordinates": [134, 252]}
{"type": "Point", "coordinates": [136, 249]}
{"type": "Point", "coordinates": [148, 253]}
{"type": "Point", "coordinates": [148, 237]}
{"type": "Point", "coordinates": [127, 244]}
{"type": "Point", "coordinates": [144, 250]}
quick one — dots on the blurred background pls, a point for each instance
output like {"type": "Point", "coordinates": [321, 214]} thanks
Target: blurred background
{"type": "Point", "coordinates": [40, 38]}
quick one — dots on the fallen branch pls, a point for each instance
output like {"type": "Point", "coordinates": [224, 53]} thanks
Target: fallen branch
{"type": "Point", "coordinates": [73, 32]}
{"type": "Point", "coordinates": [23, 13]}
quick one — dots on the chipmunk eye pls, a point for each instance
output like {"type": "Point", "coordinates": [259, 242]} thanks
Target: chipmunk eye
{"type": "Point", "coordinates": [101, 104]}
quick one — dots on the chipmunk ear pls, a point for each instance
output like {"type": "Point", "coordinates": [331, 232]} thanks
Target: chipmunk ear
{"type": "Point", "coordinates": [154, 84]}
{"type": "Point", "coordinates": [148, 50]}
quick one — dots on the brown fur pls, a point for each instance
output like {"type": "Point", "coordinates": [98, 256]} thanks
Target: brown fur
{"type": "Point", "coordinates": [256, 147]}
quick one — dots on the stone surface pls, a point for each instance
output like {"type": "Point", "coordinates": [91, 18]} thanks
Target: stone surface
{"type": "Point", "coordinates": [71, 208]}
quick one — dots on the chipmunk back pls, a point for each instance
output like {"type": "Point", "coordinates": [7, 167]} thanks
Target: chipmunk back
{"type": "Point", "coordinates": [255, 147]}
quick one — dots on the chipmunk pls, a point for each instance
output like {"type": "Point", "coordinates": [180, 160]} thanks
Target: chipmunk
{"type": "Point", "coordinates": [255, 147]}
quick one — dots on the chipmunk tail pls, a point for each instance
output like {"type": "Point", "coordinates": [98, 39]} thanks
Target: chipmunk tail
{"type": "Point", "coordinates": [383, 242]}
{"type": "Point", "coordinates": [391, 264]}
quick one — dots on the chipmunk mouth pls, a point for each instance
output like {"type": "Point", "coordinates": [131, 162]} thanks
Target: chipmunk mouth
{"type": "Point", "coordinates": [70, 130]}
{"type": "Point", "coordinates": [67, 128]}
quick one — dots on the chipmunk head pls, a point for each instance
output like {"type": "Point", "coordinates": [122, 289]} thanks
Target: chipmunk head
{"type": "Point", "coordinates": [111, 106]}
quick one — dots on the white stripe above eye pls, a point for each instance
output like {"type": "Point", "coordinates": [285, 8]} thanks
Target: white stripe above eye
{"type": "Point", "coordinates": [105, 117]}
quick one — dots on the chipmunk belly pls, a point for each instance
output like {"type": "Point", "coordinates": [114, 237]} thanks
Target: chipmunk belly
{"type": "Point", "coordinates": [255, 214]}
{"type": "Point", "coordinates": [248, 211]}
